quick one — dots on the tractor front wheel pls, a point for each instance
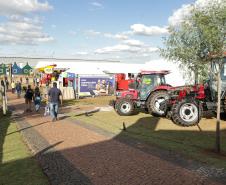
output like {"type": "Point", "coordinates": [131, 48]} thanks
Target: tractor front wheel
{"type": "Point", "coordinates": [157, 104]}
{"type": "Point", "coordinates": [124, 107]}
{"type": "Point", "coordinates": [187, 113]}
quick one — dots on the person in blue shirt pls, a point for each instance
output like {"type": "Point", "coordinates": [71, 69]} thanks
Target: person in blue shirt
{"type": "Point", "coordinates": [18, 89]}
{"type": "Point", "coordinates": [54, 97]}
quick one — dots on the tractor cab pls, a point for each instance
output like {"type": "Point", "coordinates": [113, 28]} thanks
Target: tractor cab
{"type": "Point", "coordinates": [149, 81]}
{"type": "Point", "coordinates": [212, 82]}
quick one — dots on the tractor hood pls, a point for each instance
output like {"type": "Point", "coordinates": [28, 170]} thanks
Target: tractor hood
{"type": "Point", "coordinates": [184, 87]}
{"type": "Point", "coordinates": [191, 90]}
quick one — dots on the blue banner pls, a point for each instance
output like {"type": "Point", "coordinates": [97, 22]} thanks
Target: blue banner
{"type": "Point", "coordinates": [71, 75]}
{"type": "Point", "coordinates": [94, 85]}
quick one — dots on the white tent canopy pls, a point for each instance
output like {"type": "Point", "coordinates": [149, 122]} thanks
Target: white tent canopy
{"type": "Point", "coordinates": [175, 77]}
{"type": "Point", "coordinates": [103, 68]}
{"type": "Point", "coordinates": [96, 68]}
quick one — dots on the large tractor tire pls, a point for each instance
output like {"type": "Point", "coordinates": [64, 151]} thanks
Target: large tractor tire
{"type": "Point", "coordinates": [187, 113]}
{"type": "Point", "coordinates": [156, 104]}
{"type": "Point", "coordinates": [124, 107]}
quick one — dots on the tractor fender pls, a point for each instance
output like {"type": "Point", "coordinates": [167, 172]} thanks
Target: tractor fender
{"type": "Point", "coordinates": [155, 90]}
{"type": "Point", "coordinates": [165, 87]}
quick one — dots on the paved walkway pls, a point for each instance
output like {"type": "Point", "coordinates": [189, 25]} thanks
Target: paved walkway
{"type": "Point", "coordinates": [71, 153]}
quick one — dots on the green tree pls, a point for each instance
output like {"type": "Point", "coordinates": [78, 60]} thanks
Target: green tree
{"type": "Point", "coordinates": [185, 46]}
{"type": "Point", "coordinates": [197, 41]}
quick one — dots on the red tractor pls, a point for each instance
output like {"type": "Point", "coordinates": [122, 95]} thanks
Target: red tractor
{"type": "Point", "coordinates": [148, 91]}
{"type": "Point", "coordinates": [186, 104]}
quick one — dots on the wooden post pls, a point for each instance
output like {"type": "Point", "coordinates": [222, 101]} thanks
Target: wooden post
{"type": "Point", "coordinates": [218, 147]}
{"type": "Point", "coordinates": [4, 101]}
{"type": "Point", "coordinates": [4, 105]}
{"type": "Point", "coordinates": [124, 126]}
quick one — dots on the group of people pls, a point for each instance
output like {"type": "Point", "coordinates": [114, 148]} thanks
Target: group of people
{"type": "Point", "coordinates": [36, 81]}
{"type": "Point", "coordinates": [32, 95]}
{"type": "Point", "coordinates": [54, 97]}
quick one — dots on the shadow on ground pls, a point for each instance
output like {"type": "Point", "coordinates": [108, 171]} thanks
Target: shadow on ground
{"type": "Point", "coordinates": [123, 159]}
{"type": "Point", "coordinates": [4, 124]}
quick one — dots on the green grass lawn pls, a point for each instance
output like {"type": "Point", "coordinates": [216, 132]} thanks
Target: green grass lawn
{"type": "Point", "coordinates": [190, 142]}
{"type": "Point", "coordinates": [97, 101]}
{"type": "Point", "coordinates": [17, 166]}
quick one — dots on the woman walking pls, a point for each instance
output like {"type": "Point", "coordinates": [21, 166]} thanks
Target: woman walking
{"type": "Point", "coordinates": [37, 99]}
{"type": "Point", "coordinates": [18, 89]}
{"type": "Point", "coordinates": [13, 86]}
{"type": "Point", "coordinates": [28, 98]}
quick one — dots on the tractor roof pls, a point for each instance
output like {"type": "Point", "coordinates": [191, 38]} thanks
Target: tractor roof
{"type": "Point", "coordinates": [163, 72]}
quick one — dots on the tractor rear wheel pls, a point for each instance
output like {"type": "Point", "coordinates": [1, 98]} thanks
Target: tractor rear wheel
{"type": "Point", "coordinates": [156, 103]}
{"type": "Point", "coordinates": [186, 113]}
{"type": "Point", "coordinates": [124, 107]}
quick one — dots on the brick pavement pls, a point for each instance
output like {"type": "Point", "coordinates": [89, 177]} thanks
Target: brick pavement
{"type": "Point", "coordinates": [73, 154]}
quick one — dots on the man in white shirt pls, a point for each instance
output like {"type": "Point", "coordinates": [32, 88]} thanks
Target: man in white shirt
{"type": "Point", "coordinates": [37, 81]}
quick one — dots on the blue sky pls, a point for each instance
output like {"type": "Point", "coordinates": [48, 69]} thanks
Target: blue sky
{"type": "Point", "coordinates": [125, 30]}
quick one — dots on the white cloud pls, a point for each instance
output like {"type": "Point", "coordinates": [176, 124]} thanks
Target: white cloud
{"type": "Point", "coordinates": [208, 3]}
{"type": "Point", "coordinates": [121, 36]}
{"type": "Point", "coordinates": [22, 30]}
{"type": "Point", "coordinates": [148, 50]}
{"type": "Point", "coordinates": [180, 14]}
{"type": "Point", "coordinates": [107, 35]}
{"type": "Point", "coordinates": [116, 48]}
{"type": "Point", "coordinates": [22, 27]}
{"type": "Point", "coordinates": [126, 48]}
{"type": "Point", "coordinates": [116, 36]}
{"type": "Point", "coordinates": [141, 29]}
{"type": "Point", "coordinates": [97, 4]}
{"type": "Point", "coordinates": [132, 42]}
{"type": "Point", "coordinates": [9, 7]}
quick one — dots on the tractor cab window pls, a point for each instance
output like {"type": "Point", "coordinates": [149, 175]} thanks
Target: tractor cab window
{"type": "Point", "coordinates": [152, 80]}
{"type": "Point", "coordinates": [147, 80]}
{"type": "Point", "coordinates": [161, 80]}
{"type": "Point", "coordinates": [148, 83]}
